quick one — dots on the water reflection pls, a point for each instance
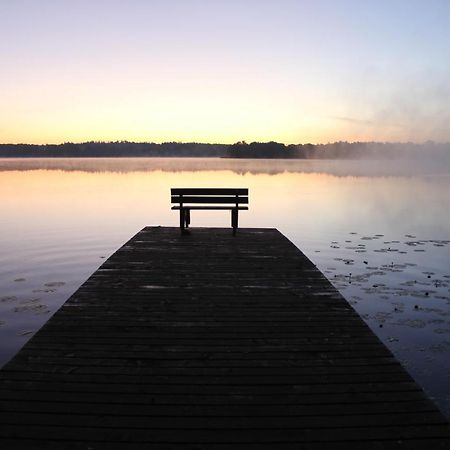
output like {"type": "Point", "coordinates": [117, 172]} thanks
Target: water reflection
{"type": "Point", "coordinates": [382, 240]}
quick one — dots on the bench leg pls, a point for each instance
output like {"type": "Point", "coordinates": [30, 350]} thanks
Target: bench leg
{"type": "Point", "coordinates": [234, 220]}
{"type": "Point", "coordinates": [182, 219]}
{"type": "Point", "coordinates": [188, 218]}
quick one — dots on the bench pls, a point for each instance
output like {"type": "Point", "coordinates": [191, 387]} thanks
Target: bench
{"type": "Point", "coordinates": [209, 199]}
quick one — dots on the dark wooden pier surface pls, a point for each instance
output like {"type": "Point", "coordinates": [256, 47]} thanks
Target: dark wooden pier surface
{"type": "Point", "coordinates": [210, 341]}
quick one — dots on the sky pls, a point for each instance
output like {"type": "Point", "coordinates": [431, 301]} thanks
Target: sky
{"type": "Point", "coordinates": [292, 71]}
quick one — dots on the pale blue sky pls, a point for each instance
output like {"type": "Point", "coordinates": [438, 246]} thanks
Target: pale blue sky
{"type": "Point", "coordinates": [293, 71]}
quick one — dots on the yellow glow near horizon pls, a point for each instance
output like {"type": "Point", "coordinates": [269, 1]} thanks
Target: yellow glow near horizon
{"type": "Point", "coordinates": [83, 107]}
{"type": "Point", "coordinates": [198, 121]}
{"type": "Point", "coordinates": [169, 123]}
{"type": "Point", "coordinates": [56, 115]}
{"type": "Point", "coordinates": [82, 112]}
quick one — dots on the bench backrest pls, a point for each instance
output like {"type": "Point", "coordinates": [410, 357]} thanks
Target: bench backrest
{"type": "Point", "coordinates": [223, 196]}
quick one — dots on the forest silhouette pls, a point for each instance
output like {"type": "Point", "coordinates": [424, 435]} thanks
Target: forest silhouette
{"type": "Point", "coordinates": [336, 150]}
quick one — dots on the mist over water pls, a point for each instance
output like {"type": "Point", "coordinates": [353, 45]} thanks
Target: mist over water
{"type": "Point", "coordinates": [350, 167]}
{"type": "Point", "coordinates": [377, 229]}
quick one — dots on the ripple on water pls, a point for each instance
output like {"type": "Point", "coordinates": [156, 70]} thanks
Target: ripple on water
{"type": "Point", "coordinates": [411, 323]}
{"type": "Point", "coordinates": [25, 332]}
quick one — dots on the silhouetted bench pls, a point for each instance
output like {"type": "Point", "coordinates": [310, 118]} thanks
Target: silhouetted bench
{"type": "Point", "coordinates": [209, 199]}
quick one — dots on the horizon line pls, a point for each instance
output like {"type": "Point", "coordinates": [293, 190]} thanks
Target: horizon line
{"type": "Point", "coordinates": [427, 142]}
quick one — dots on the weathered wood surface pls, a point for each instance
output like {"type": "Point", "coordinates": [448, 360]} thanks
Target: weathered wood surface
{"type": "Point", "coordinates": [210, 341]}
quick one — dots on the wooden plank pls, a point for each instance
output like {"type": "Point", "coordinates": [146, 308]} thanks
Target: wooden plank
{"type": "Point", "coordinates": [202, 370]}
{"type": "Point", "coordinates": [221, 410]}
{"type": "Point", "coordinates": [36, 397]}
{"type": "Point", "coordinates": [385, 444]}
{"type": "Point", "coordinates": [209, 191]}
{"type": "Point", "coordinates": [214, 200]}
{"type": "Point", "coordinates": [224, 422]}
{"type": "Point", "coordinates": [185, 436]}
{"type": "Point", "coordinates": [211, 341]}
{"type": "Point", "coordinates": [210, 208]}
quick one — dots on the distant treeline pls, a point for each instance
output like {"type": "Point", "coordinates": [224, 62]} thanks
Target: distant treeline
{"type": "Point", "coordinates": [336, 150]}
{"type": "Point", "coordinates": [113, 149]}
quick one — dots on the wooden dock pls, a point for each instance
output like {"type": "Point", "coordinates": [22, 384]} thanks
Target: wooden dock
{"type": "Point", "coordinates": [210, 341]}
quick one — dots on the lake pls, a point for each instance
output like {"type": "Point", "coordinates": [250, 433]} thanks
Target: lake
{"type": "Point", "coordinates": [379, 230]}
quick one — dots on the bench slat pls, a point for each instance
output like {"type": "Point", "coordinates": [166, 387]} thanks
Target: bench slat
{"type": "Point", "coordinates": [225, 208]}
{"type": "Point", "coordinates": [209, 191]}
{"type": "Point", "coordinates": [213, 200]}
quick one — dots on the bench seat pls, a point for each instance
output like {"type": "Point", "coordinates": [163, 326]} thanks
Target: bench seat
{"type": "Point", "coordinates": [227, 208]}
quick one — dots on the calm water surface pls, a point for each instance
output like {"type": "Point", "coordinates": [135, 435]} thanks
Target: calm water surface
{"type": "Point", "coordinates": [378, 230]}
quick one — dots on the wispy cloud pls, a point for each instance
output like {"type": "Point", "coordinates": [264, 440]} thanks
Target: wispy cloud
{"type": "Point", "coordinates": [370, 123]}
{"type": "Point", "coordinates": [353, 120]}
